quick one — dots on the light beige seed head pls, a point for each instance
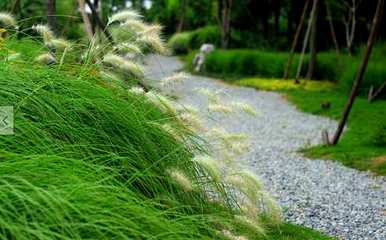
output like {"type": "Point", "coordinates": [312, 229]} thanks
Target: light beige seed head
{"type": "Point", "coordinates": [7, 20]}
{"type": "Point", "coordinates": [44, 31]}
{"type": "Point", "coordinates": [124, 65]}
{"type": "Point", "coordinates": [124, 15]}
{"type": "Point", "coordinates": [173, 79]}
{"type": "Point", "coordinates": [210, 167]}
{"type": "Point", "coordinates": [137, 90]}
{"type": "Point", "coordinates": [181, 179]}
{"type": "Point", "coordinates": [154, 42]}
{"type": "Point", "coordinates": [134, 25]}
{"type": "Point", "coordinates": [59, 43]}
{"type": "Point", "coordinates": [245, 107]}
{"type": "Point", "coordinates": [252, 224]}
{"type": "Point", "coordinates": [191, 121]}
{"type": "Point", "coordinates": [46, 58]}
{"type": "Point", "coordinates": [220, 108]}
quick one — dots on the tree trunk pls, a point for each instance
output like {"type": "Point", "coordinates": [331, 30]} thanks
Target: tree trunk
{"type": "Point", "coordinates": [361, 71]}
{"type": "Point", "coordinates": [296, 39]}
{"type": "Point", "coordinates": [306, 40]}
{"type": "Point", "coordinates": [181, 19]}
{"type": "Point", "coordinates": [332, 30]}
{"type": "Point", "coordinates": [313, 43]}
{"type": "Point", "coordinates": [226, 21]}
{"type": "Point", "coordinates": [100, 23]}
{"type": "Point", "coordinates": [86, 20]}
{"type": "Point", "coordinates": [16, 7]}
{"type": "Point", "coordinates": [51, 11]}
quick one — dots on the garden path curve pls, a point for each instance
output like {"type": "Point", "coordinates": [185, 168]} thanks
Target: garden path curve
{"type": "Point", "coordinates": [320, 194]}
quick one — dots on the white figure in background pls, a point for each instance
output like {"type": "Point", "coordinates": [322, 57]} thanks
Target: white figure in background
{"type": "Point", "coordinates": [199, 59]}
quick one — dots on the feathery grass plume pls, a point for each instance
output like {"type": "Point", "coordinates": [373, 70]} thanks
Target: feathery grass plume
{"type": "Point", "coordinates": [272, 208]}
{"type": "Point", "coordinates": [252, 224]}
{"type": "Point", "coordinates": [219, 108]}
{"type": "Point", "coordinates": [59, 43]}
{"type": "Point", "coordinates": [137, 91]}
{"type": "Point", "coordinates": [44, 31]}
{"type": "Point", "coordinates": [128, 48]}
{"type": "Point", "coordinates": [228, 235]}
{"type": "Point", "coordinates": [245, 107]}
{"type": "Point", "coordinates": [212, 96]}
{"type": "Point", "coordinates": [135, 25]}
{"type": "Point", "coordinates": [191, 121]}
{"type": "Point", "coordinates": [152, 29]}
{"type": "Point", "coordinates": [175, 78]}
{"type": "Point", "coordinates": [123, 16]}
{"type": "Point", "coordinates": [238, 147]}
{"type": "Point", "coordinates": [210, 167]}
{"type": "Point", "coordinates": [189, 109]}
{"type": "Point", "coordinates": [172, 131]}
{"type": "Point", "coordinates": [7, 20]}
{"type": "Point", "coordinates": [161, 101]}
{"type": "Point", "coordinates": [224, 135]}
{"type": "Point", "coordinates": [124, 65]}
{"type": "Point", "coordinates": [154, 42]}
{"type": "Point", "coordinates": [46, 58]}
{"type": "Point", "coordinates": [246, 182]}
{"type": "Point", "coordinates": [181, 179]}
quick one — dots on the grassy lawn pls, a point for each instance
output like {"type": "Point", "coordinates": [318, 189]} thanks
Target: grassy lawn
{"type": "Point", "coordinates": [363, 146]}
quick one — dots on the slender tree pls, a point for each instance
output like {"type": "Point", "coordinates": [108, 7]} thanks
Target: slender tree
{"type": "Point", "coordinates": [361, 70]}
{"type": "Point", "coordinates": [224, 19]}
{"type": "Point", "coordinates": [181, 17]}
{"type": "Point", "coordinates": [306, 40]}
{"type": "Point", "coordinates": [313, 42]}
{"type": "Point", "coordinates": [350, 22]}
{"type": "Point", "coordinates": [86, 20]}
{"type": "Point", "coordinates": [99, 21]}
{"type": "Point", "coordinates": [332, 29]}
{"type": "Point", "coordinates": [296, 39]}
{"type": "Point", "coordinates": [51, 11]}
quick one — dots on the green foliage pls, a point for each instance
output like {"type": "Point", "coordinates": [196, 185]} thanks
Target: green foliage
{"type": "Point", "coordinates": [362, 142]}
{"type": "Point", "coordinates": [233, 64]}
{"type": "Point", "coordinates": [180, 42]}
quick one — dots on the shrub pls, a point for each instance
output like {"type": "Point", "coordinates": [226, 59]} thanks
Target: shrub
{"type": "Point", "coordinates": [180, 42]}
{"type": "Point", "coordinates": [236, 63]}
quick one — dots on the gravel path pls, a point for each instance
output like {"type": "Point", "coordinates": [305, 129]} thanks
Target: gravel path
{"type": "Point", "coordinates": [323, 195]}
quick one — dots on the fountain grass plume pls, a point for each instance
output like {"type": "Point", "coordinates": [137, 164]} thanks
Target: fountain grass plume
{"type": "Point", "coordinates": [133, 24]}
{"type": "Point", "coordinates": [173, 79]}
{"type": "Point", "coordinates": [245, 107]}
{"type": "Point", "coordinates": [230, 236]}
{"type": "Point", "coordinates": [252, 224]}
{"type": "Point", "coordinates": [154, 42]}
{"type": "Point", "coordinates": [59, 43]}
{"type": "Point", "coordinates": [124, 15]}
{"type": "Point", "coordinates": [220, 108]}
{"type": "Point", "coordinates": [128, 48]}
{"type": "Point", "coordinates": [181, 179]}
{"type": "Point", "coordinates": [209, 166]}
{"type": "Point", "coordinates": [161, 101]}
{"type": "Point", "coordinates": [44, 31]}
{"type": "Point", "coordinates": [191, 121]}
{"type": "Point", "coordinates": [137, 90]}
{"type": "Point", "coordinates": [124, 65]}
{"type": "Point", "coordinates": [8, 20]}
{"type": "Point", "coordinates": [46, 58]}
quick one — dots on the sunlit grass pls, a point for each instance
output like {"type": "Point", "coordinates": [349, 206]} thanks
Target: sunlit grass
{"type": "Point", "coordinates": [283, 85]}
